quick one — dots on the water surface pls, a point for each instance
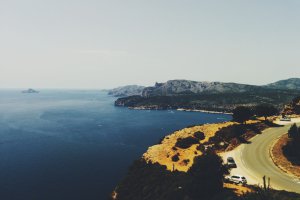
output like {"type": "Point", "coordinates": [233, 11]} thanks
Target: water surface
{"type": "Point", "coordinates": [61, 145]}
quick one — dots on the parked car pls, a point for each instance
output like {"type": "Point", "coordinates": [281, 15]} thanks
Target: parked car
{"type": "Point", "coordinates": [238, 179]}
{"type": "Point", "coordinates": [231, 163]}
{"type": "Point", "coordinates": [285, 119]}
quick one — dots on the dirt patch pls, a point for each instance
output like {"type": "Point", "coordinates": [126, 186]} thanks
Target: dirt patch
{"type": "Point", "coordinates": [280, 160]}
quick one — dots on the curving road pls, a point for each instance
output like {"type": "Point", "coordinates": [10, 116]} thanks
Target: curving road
{"type": "Point", "coordinates": [253, 161]}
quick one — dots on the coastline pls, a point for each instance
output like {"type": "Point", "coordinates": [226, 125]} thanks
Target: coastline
{"type": "Point", "coordinates": [179, 109]}
{"type": "Point", "coordinates": [204, 111]}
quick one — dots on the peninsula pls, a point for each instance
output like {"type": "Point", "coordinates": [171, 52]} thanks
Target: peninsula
{"type": "Point", "coordinates": [210, 96]}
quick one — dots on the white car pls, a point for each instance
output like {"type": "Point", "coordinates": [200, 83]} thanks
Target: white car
{"type": "Point", "coordinates": [238, 179]}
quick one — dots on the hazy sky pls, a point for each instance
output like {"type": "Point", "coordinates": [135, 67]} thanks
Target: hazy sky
{"type": "Point", "coordinates": [103, 44]}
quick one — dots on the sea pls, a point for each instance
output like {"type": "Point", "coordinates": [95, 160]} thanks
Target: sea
{"type": "Point", "coordinates": [75, 144]}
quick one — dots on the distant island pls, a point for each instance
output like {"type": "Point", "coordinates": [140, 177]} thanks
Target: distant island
{"type": "Point", "coordinates": [209, 96]}
{"type": "Point", "coordinates": [30, 90]}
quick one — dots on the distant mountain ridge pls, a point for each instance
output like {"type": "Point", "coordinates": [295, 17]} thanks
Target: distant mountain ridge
{"type": "Point", "coordinates": [211, 96]}
{"type": "Point", "coordinates": [187, 87]}
{"type": "Point", "coordinates": [290, 84]}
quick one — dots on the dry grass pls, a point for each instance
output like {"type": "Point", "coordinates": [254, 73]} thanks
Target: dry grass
{"type": "Point", "coordinates": [280, 160]}
{"type": "Point", "coordinates": [238, 189]}
{"type": "Point", "coordinates": [163, 153]}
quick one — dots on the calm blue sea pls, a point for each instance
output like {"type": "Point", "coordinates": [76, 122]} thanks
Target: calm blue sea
{"type": "Point", "coordinates": [75, 145]}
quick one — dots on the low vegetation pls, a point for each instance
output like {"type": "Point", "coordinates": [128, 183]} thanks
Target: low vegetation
{"type": "Point", "coordinates": [175, 158]}
{"type": "Point", "coordinates": [241, 113]}
{"type": "Point", "coordinates": [153, 181]}
{"type": "Point", "coordinates": [233, 135]}
{"type": "Point", "coordinates": [223, 102]}
{"type": "Point", "coordinates": [204, 180]}
{"type": "Point", "coordinates": [187, 142]}
{"type": "Point", "coordinates": [265, 110]}
{"type": "Point", "coordinates": [293, 107]}
{"type": "Point", "coordinates": [292, 148]}
{"type": "Point", "coordinates": [261, 194]}
{"type": "Point", "coordinates": [199, 135]}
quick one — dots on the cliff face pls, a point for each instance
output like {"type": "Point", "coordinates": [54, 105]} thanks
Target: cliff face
{"type": "Point", "coordinates": [129, 90]}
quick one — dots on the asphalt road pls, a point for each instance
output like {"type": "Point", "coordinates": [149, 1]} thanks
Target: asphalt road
{"type": "Point", "coordinates": [253, 161]}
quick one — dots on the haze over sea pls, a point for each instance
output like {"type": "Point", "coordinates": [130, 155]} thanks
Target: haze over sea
{"type": "Point", "coordinates": [72, 144]}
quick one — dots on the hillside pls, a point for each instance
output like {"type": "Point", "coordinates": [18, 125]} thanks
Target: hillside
{"type": "Point", "coordinates": [211, 96]}
{"type": "Point", "coordinates": [128, 90]}
{"type": "Point", "coordinates": [186, 87]}
{"type": "Point", "coordinates": [223, 102]}
{"type": "Point", "coordinates": [290, 84]}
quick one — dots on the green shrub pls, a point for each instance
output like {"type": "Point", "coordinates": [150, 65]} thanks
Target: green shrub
{"type": "Point", "coordinates": [241, 114]}
{"type": "Point", "coordinates": [199, 135]}
{"type": "Point", "coordinates": [185, 143]}
{"type": "Point", "coordinates": [175, 158]}
{"type": "Point", "coordinates": [292, 149]}
{"type": "Point", "coordinates": [147, 181]}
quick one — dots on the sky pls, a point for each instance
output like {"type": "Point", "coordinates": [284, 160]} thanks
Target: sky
{"type": "Point", "coordinates": [97, 44]}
